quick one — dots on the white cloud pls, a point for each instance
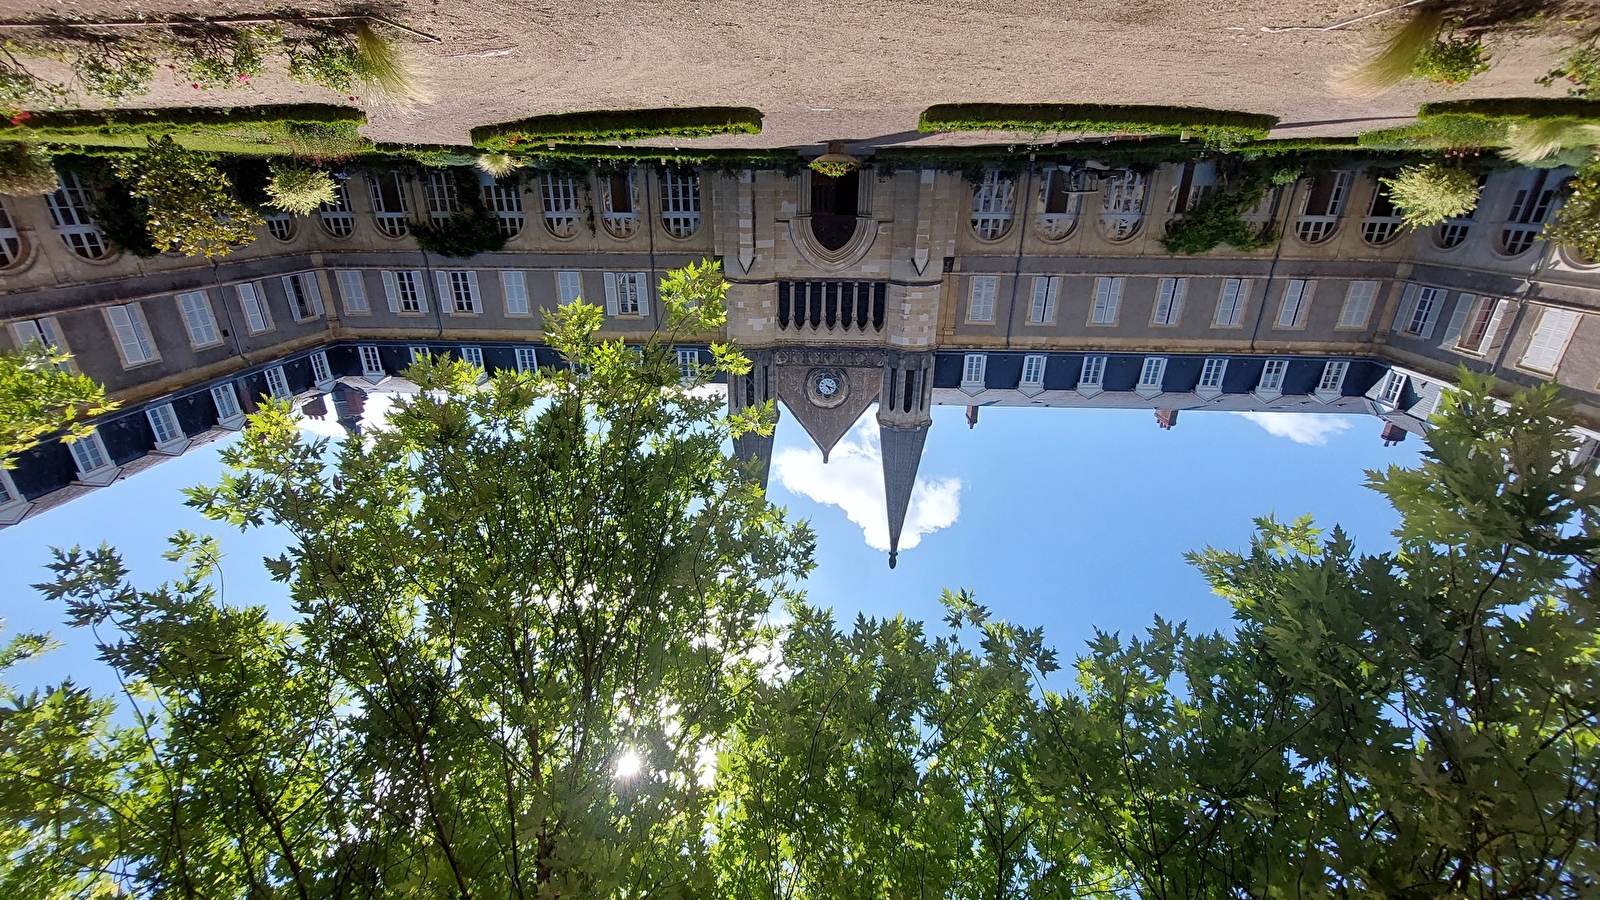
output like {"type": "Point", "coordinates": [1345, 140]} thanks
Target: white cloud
{"type": "Point", "coordinates": [852, 480]}
{"type": "Point", "coordinates": [1302, 428]}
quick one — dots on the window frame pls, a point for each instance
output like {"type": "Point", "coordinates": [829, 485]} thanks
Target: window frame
{"type": "Point", "coordinates": [1146, 387]}
{"type": "Point", "coordinates": [1042, 308]}
{"type": "Point", "coordinates": [371, 362]}
{"type": "Point", "coordinates": [1033, 368]}
{"type": "Point", "coordinates": [519, 295]}
{"type": "Point", "coordinates": [226, 419]}
{"type": "Point", "coordinates": [356, 302]}
{"type": "Point", "coordinates": [155, 414]}
{"type": "Point", "coordinates": [1106, 307]}
{"type": "Point", "coordinates": [1240, 302]}
{"type": "Point", "coordinates": [526, 358]}
{"type": "Point", "coordinates": [1212, 372]}
{"type": "Point", "coordinates": [304, 296]}
{"type": "Point", "coordinates": [1549, 315]}
{"type": "Point", "coordinates": [1273, 373]}
{"type": "Point", "coordinates": [986, 295]}
{"type": "Point", "coordinates": [258, 299]}
{"type": "Point", "coordinates": [1330, 384]}
{"type": "Point", "coordinates": [321, 369]}
{"type": "Point", "coordinates": [196, 340]}
{"type": "Point", "coordinates": [1092, 374]}
{"type": "Point", "coordinates": [1353, 300]}
{"type": "Point", "coordinates": [1170, 292]}
{"type": "Point", "coordinates": [277, 383]}
{"type": "Point", "coordinates": [1294, 310]}
{"type": "Point", "coordinates": [139, 329]}
{"type": "Point", "coordinates": [100, 475]}
{"type": "Point", "coordinates": [974, 372]}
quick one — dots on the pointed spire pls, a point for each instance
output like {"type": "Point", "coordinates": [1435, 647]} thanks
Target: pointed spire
{"type": "Point", "coordinates": [902, 454]}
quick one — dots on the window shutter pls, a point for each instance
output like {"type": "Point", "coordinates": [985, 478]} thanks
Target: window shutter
{"type": "Point", "coordinates": [422, 290]}
{"type": "Point", "coordinates": [1501, 310]}
{"type": "Point", "coordinates": [1458, 319]}
{"type": "Point", "coordinates": [1433, 315]}
{"type": "Point", "coordinates": [1549, 339]}
{"type": "Point", "coordinates": [290, 294]}
{"type": "Point", "coordinates": [472, 289]}
{"type": "Point", "coordinates": [515, 288]}
{"type": "Point", "coordinates": [611, 293]}
{"type": "Point", "coordinates": [1408, 305]}
{"type": "Point", "coordinates": [391, 290]}
{"type": "Point", "coordinates": [355, 293]}
{"type": "Point", "coordinates": [314, 291]}
{"type": "Point", "coordinates": [1041, 289]}
{"type": "Point", "coordinates": [26, 333]}
{"type": "Point", "coordinates": [641, 287]}
{"type": "Point", "coordinates": [446, 296]}
{"type": "Point", "coordinates": [127, 337]}
{"type": "Point", "coordinates": [1050, 299]}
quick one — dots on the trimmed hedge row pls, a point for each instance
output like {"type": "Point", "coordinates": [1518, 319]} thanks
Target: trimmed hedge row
{"type": "Point", "coordinates": [1210, 125]}
{"type": "Point", "coordinates": [1516, 108]}
{"type": "Point", "coordinates": [301, 130]}
{"type": "Point", "coordinates": [618, 125]}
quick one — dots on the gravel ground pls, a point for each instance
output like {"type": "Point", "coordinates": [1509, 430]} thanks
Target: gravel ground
{"type": "Point", "coordinates": [861, 71]}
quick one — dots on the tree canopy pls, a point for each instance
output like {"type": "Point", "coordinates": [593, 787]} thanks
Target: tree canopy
{"type": "Point", "coordinates": [41, 395]}
{"type": "Point", "coordinates": [531, 656]}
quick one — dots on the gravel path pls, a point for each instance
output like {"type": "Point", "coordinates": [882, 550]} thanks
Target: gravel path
{"type": "Point", "coordinates": [862, 71]}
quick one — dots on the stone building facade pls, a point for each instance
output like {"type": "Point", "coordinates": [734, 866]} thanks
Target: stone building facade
{"type": "Point", "coordinates": [889, 288]}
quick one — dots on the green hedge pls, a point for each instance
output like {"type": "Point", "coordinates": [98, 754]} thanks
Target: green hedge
{"type": "Point", "coordinates": [1014, 157]}
{"type": "Point", "coordinates": [618, 125]}
{"type": "Point", "coordinates": [1516, 108]}
{"type": "Point", "coordinates": [303, 130]}
{"type": "Point", "coordinates": [1209, 125]}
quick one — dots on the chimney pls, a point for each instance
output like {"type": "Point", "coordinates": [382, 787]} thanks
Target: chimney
{"type": "Point", "coordinates": [1392, 434]}
{"type": "Point", "coordinates": [972, 417]}
{"type": "Point", "coordinates": [316, 407]}
{"type": "Point", "coordinates": [1166, 418]}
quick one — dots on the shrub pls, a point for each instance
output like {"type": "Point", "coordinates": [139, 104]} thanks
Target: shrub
{"type": "Point", "coordinates": [471, 231]}
{"type": "Point", "coordinates": [114, 70]}
{"type": "Point", "coordinates": [1429, 194]}
{"type": "Point", "coordinates": [213, 57]}
{"type": "Point", "coordinates": [1398, 57]}
{"type": "Point", "coordinates": [1218, 128]}
{"type": "Point", "coordinates": [352, 61]}
{"type": "Point", "coordinates": [318, 131]}
{"type": "Point", "coordinates": [1538, 139]}
{"type": "Point", "coordinates": [833, 168]}
{"type": "Point", "coordinates": [25, 171]}
{"type": "Point", "coordinates": [618, 125]}
{"type": "Point", "coordinates": [498, 165]}
{"type": "Point", "coordinates": [1451, 62]}
{"type": "Point", "coordinates": [191, 208]}
{"type": "Point", "coordinates": [1218, 219]}
{"type": "Point", "coordinates": [300, 189]}
{"type": "Point", "coordinates": [1577, 223]}
{"type": "Point", "coordinates": [123, 217]}
{"type": "Point", "coordinates": [1581, 69]}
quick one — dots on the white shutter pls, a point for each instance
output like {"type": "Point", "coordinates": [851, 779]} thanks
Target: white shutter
{"type": "Point", "coordinates": [1434, 309]}
{"type": "Point", "coordinates": [355, 292]}
{"type": "Point", "coordinates": [255, 316]}
{"type": "Point", "coordinates": [611, 293]}
{"type": "Point", "coordinates": [1041, 289]}
{"type": "Point", "coordinates": [422, 291]}
{"type": "Point", "coordinates": [391, 290]}
{"type": "Point", "coordinates": [1501, 310]}
{"type": "Point", "coordinates": [472, 289]}
{"type": "Point", "coordinates": [569, 286]}
{"type": "Point", "coordinates": [1458, 319]}
{"type": "Point", "coordinates": [446, 296]}
{"type": "Point", "coordinates": [1549, 339]}
{"type": "Point", "coordinates": [289, 293]}
{"type": "Point", "coordinates": [641, 288]}
{"type": "Point", "coordinates": [142, 329]}
{"type": "Point", "coordinates": [1050, 299]}
{"type": "Point", "coordinates": [1357, 304]}
{"type": "Point", "coordinates": [196, 309]}
{"type": "Point", "coordinates": [127, 335]}
{"type": "Point", "coordinates": [1408, 305]}
{"type": "Point", "coordinates": [26, 332]}
{"type": "Point", "coordinates": [314, 291]}
{"type": "Point", "coordinates": [515, 287]}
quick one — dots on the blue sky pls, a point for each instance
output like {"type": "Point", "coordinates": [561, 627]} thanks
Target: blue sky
{"type": "Point", "coordinates": [1069, 519]}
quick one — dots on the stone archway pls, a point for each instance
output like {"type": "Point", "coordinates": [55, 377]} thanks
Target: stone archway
{"type": "Point", "coordinates": [834, 208]}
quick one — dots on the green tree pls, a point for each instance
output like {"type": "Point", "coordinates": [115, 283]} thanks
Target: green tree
{"type": "Point", "coordinates": [40, 395]}
{"type": "Point", "coordinates": [191, 206]}
{"type": "Point", "coordinates": [1431, 193]}
{"type": "Point", "coordinates": [1577, 222]}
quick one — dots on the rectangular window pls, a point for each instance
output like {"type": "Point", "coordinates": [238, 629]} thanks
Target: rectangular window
{"type": "Point", "coordinates": [626, 294]}
{"type": "Point", "coordinates": [972, 370]}
{"type": "Point", "coordinates": [1393, 386]}
{"type": "Point", "coordinates": [1152, 373]}
{"type": "Point", "coordinates": [1033, 370]}
{"type": "Point", "coordinates": [418, 353]}
{"type": "Point", "coordinates": [515, 287]}
{"type": "Point", "coordinates": [569, 287]}
{"type": "Point", "coordinates": [278, 383]}
{"type": "Point", "coordinates": [1272, 376]}
{"type": "Point", "coordinates": [1296, 301]}
{"type": "Point", "coordinates": [1169, 301]}
{"type": "Point", "coordinates": [1481, 323]}
{"type": "Point", "coordinates": [89, 454]}
{"type": "Point", "coordinates": [305, 298]}
{"type": "Point", "coordinates": [1045, 291]}
{"type": "Point", "coordinates": [164, 424]}
{"type": "Point", "coordinates": [256, 316]}
{"type": "Point", "coordinates": [459, 289]}
{"type": "Point", "coordinates": [688, 362]}
{"type": "Point", "coordinates": [1094, 371]}
{"type": "Point", "coordinates": [1425, 312]}
{"type": "Point", "coordinates": [226, 399]}
{"type": "Point", "coordinates": [1549, 341]}
{"type": "Point", "coordinates": [132, 333]}
{"type": "Point", "coordinates": [473, 355]}
{"type": "Point", "coordinates": [1332, 380]}
{"type": "Point", "coordinates": [1107, 298]}
{"type": "Point", "coordinates": [404, 292]}
{"type": "Point", "coordinates": [1211, 374]}
{"type": "Point", "coordinates": [980, 298]}
{"type": "Point", "coordinates": [371, 361]}
{"type": "Point", "coordinates": [1357, 304]}
{"type": "Point", "coordinates": [354, 290]}
{"type": "Point", "coordinates": [1230, 307]}
{"type": "Point", "coordinates": [527, 359]}
{"type": "Point", "coordinates": [43, 330]}
{"type": "Point", "coordinates": [321, 372]}
{"type": "Point", "coordinates": [197, 318]}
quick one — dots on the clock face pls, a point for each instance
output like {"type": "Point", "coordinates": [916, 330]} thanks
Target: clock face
{"type": "Point", "coordinates": [827, 385]}
{"type": "Point", "coordinates": [827, 388]}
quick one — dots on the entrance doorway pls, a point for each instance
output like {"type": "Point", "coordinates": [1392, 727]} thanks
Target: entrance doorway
{"type": "Point", "coordinates": [834, 208]}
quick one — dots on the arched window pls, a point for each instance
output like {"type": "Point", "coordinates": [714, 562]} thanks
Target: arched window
{"type": "Point", "coordinates": [1064, 188]}
{"type": "Point", "coordinates": [439, 189]}
{"type": "Point", "coordinates": [680, 203]}
{"type": "Point", "coordinates": [1383, 220]}
{"type": "Point", "coordinates": [1261, 215]}
{"type": "Point", "coordinates": [280, 225]}
{"type": "Point", "coordinates": [389, 204]}
{"type": "Point", "coordinates": [69, 209]}
{"type": "Point", "coordinates": [993, 204]}
{"type": "Point", "coordinates": [1319, 216]}
{"type": "Point", "coordinates": [616, 204]}
{"type": "Point", "coordinates": [1122, 210]}
{"type": "Point", "coordinates": [10, 241]}
{"type": "Point", "coordinates": [504, 200]}
{"type": "Point", "coordinates": [560, 196]}
{"type": "Point", "coordinates": [1529, 209]}
{"type": "Point", "coordinates": [337, 219]}
{"type": "Point", "coordinates": [1196, 179]}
